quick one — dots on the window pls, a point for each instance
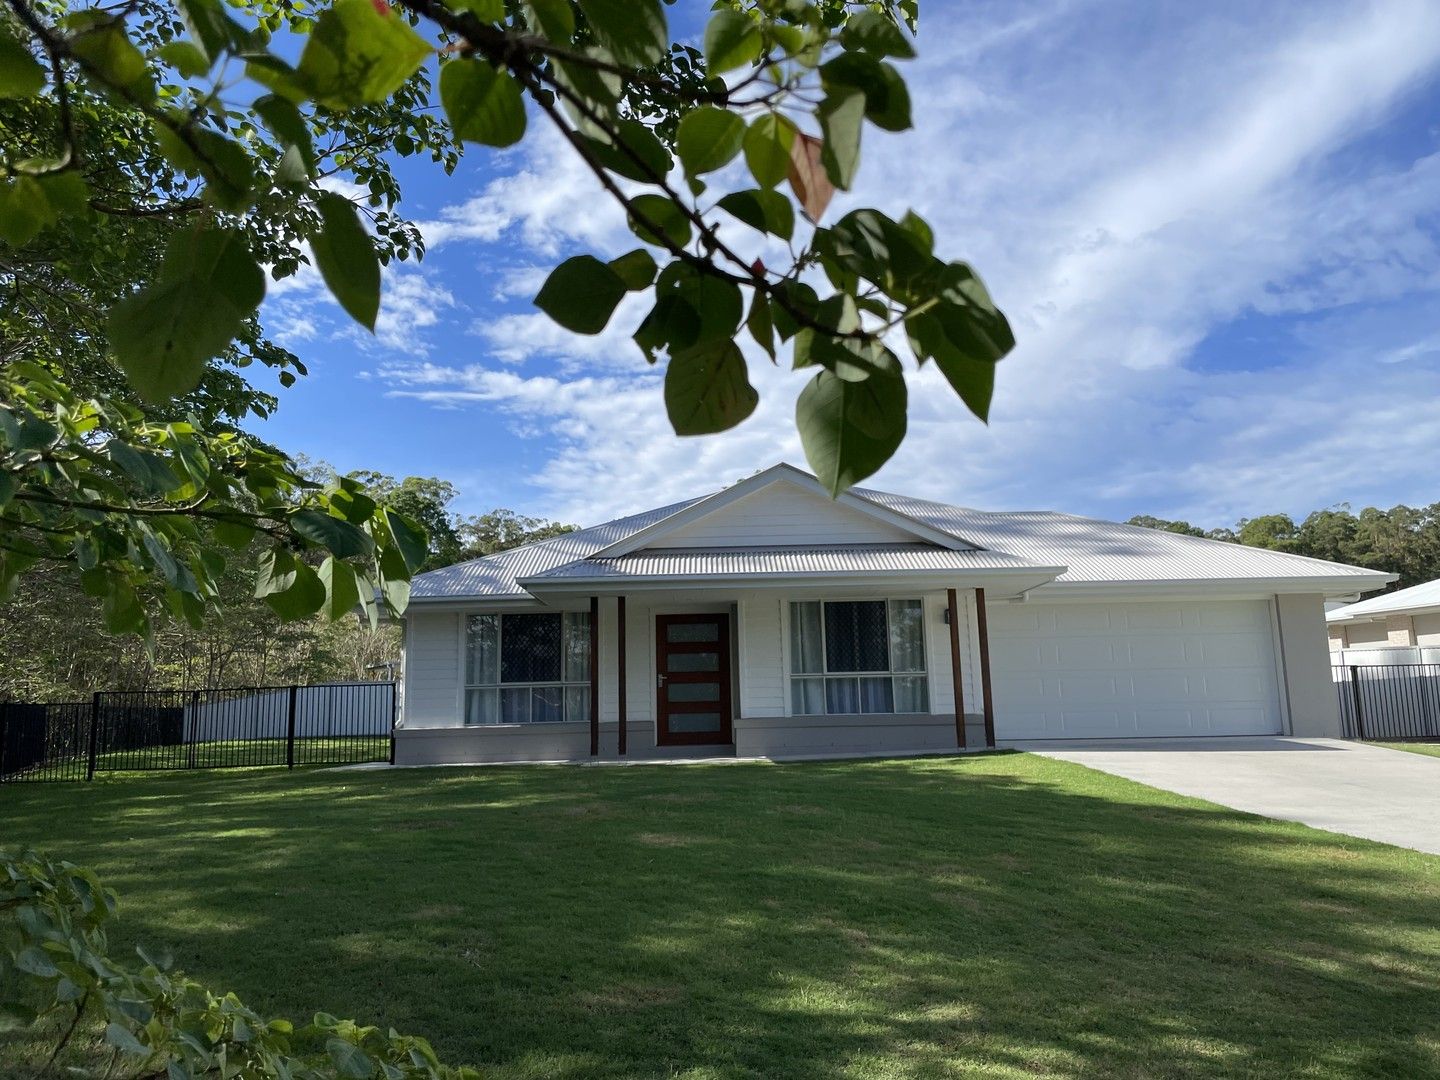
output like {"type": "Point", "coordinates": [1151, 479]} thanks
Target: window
{"type": "Point", "coordinates": [857, 656]}
{"type": "Point", "coordinates": [527, 668]}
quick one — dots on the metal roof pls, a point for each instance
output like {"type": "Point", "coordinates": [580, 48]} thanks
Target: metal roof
{"type": "Point", "coordinates": [1106, 551]}
{"type": "Point", "coordinates": [764, 561]}
{"type": "Point", "coordinates": [495, 575]}
{"type": "Point", "coordinates": [1089, 550]}
{"type": "Point", "coordinates": [1416, 598]}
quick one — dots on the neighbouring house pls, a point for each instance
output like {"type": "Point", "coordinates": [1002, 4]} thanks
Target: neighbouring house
{"type": "Point", "coordinates": [1407, 619]}
{"type": "Point", "coordinates": [769, 619]}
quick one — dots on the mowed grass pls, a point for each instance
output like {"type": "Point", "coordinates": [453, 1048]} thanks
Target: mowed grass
{"type": "Point", "coordinates": [999, 915]}
{"type": "Point", "coordinates": [1429, 749]}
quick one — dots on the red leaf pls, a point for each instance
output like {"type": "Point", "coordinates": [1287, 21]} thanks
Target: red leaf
{"type": "Point", "coordinates": [807, 176]}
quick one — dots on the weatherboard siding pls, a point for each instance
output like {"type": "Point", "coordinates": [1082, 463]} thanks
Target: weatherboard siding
{"type": "Point", "coordinates": [782, 515]}
{"type": "Point", "coordinates": [432, 670]}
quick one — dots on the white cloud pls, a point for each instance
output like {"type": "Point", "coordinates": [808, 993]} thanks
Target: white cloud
{"type": "Point", "coordinates": [1128, 187]}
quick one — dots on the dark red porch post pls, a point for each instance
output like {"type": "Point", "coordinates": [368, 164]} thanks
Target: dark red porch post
{"type": "Point", "coordinates": [984, 635]}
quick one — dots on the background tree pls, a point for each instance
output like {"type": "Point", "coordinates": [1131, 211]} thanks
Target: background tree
{"type": "Point", "coordinates": [156, 156]}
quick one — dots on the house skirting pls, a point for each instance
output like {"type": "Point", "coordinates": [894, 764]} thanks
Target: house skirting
{"type": "Point", "coordinates": [778, 736]}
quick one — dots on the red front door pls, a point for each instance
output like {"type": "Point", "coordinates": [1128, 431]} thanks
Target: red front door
{"type": "Point", "coordinates": [692, 665]}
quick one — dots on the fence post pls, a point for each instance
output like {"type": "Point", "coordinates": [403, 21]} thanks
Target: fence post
{"type": "Point", "coordinates": [394, 694]}
{"type": "Point", "coordinates": [193, 729]}
{"type": "Point", "coordinates": [94, 735]}
{"type": "Point", "coordinates": [290, 730]}
{"type": "Point", "coordinates": [1355, 697]}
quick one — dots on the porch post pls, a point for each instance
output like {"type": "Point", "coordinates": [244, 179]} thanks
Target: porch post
{"type": "Point", "coordinates": [984, 635]}
{"type": "Point", "coordinates": [620, 670]}
{"type": "Point", "coordinates": [953, 611]}
{"type": "Point", "coordinates": [594, 676]}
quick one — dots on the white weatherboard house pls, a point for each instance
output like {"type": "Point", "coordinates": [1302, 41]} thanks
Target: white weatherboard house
{"type": "Point", "coordinates": [770, 619]}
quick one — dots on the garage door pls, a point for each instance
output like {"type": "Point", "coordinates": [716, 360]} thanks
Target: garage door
{"type": "Point", "coordinates": [1094, 671]}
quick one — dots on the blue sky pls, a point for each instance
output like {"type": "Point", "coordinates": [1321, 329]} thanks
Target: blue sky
{"type": "Point", "coordinates": [1213, 226]}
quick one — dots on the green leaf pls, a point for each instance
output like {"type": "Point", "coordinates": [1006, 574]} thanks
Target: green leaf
{"type": "Point", "coordinates": [484, 10]}
{"type": "Point", "coordinates": [233, 534]}
{"type": "Point", "coordinates": [581, 294]}
{"type": "Point", "coordinates": [35, 961]}
{"type": "Point", "coordinates": [633, 30]}
{"type": "Point", "coordinates": [15, 1016]}
{"type": "Point", "coordinates": [767, 145]}
{"type": "Point", "coordinates": [342, 594]}
{"type": "Point", "coordinates": [732, 40]}
{"type": "Point", "coordinates": [660, 211]}
{"type": "Point", "coordinates": [707, 389]}
{"type": "Point", "coordinates": [887, 101]}
{"type": "Point", "coordinates": [302, 599]}
{"type": "Point", "coordinates": [20, 73]}
{"type": "Point", "coordinates": [872, 32]}
{"type": "Point", "coordinates": [163, 336]}
{"type": "Point", "coordinates": [410, 538]}
{"type": "Point", "coordinates": [394, 580]}
{"type": "Point", "coordinates": [185, 57]}
{"type": "Point", "coordinates": [708, 138]}
{"type": "Point", "coordinates": [635, 268]}
{"type": "Point", "coordinates": [850, 429]}
{"type": "Point", "coordinates": [346, 258]}
{"type": "Point", "coordinates": [66, 192]}
{"type": "Point", "coordinates": [482, 103]}
{"type": "Point", "coordinates": [275, 572]}
{"type": "Point", "coordinates": [841, 115]}
{"type": "Point", "coordinates": [636, 154]}
{"type": "Point", "coordinates": [287, 124]}
{"type": "Point", "coordinates": [120, 1038]}
{"type": "Point", "coordinates": [760, 325]}
{"type": "Point", "coordinates": [335, 534]}
{"type": "Point", "coordinates": [107, 51]}
{"type": "Point", "coordinates": [24, 211]}
{"type": "Point", "coordinates": [767, 211]}
{"type": "Point", "coordinates": [358, 56]}
{"type": "Point", "coordinates": [150, 471]}
{"type": "Point", "coordinates": [553, 18]}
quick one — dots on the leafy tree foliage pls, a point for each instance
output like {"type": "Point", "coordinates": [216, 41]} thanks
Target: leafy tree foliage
{"type": "Point", "coordinates": [162, 157]}
{"type": "Point", "coordinates": [1403, 540]}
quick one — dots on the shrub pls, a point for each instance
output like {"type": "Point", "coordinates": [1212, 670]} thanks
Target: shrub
{"type": "Point", "coordinates": [56, 976]}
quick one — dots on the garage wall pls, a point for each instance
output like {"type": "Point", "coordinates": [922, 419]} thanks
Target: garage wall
{"type": "Point", "coordinates": [1136, 669]}
{"type": "Point", "coordinates": [1309, 686]}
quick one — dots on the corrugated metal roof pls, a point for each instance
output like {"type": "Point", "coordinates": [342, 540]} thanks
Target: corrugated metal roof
{"type": "Point", "coordinates": [1107, 551]}
{"type": "Point", "coordinates": [1426, 595]}
{"type": "Point", "coordinates": [495, 575]}
{"type": "Point", "coordinates": [761, 561]}
{"type": "Point", "coordinates": [1090, 549]}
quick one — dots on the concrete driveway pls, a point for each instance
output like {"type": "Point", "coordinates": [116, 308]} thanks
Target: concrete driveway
{"type": "Point", "coordinates": [1344, 787]}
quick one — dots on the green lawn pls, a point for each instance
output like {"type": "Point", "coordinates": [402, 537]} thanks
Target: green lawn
{"type": "Point", "coordinates": [1429, 749]}
{"type": "Point", "coordinates": [1000, 915]}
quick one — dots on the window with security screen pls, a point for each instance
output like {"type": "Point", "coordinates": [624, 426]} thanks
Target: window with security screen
{"type": "Point", "coordinates": [857, 656]}
{"type": "Point", "coordinates": [527, 668]}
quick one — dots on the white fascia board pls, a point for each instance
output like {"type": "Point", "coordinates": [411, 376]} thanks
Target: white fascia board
{"type": "Point", "coordinates": [1201, 589]}
{"type": "Point", "coordinates": [778, 474]}
{"type": "Point", "coordinates": [1339, 616]}
{"type": "Point", "coordinates": [508, 602]}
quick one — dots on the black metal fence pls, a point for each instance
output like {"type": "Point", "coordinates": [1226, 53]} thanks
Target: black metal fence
{"type": "Point", "coordinates": [238, 727]}
{"type": "Point", "coordinates": [1389, 701]}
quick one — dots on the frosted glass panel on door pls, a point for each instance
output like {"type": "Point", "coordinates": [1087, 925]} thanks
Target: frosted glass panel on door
{"type": "Point", "coordinates": [694, 691]}
{"type": "Point", "coordinates": [692, 631]}
{"type": "Point", "coordinates": [694, 661]}
{"type": "Point", "coordinates": [694, 722]}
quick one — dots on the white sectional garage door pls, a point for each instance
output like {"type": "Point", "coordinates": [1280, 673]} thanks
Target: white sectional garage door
{"type": "Point", "coordinates": [1094, 671]}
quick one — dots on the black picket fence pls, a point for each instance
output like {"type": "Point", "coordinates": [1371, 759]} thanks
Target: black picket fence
{"type": "Point", "coordinates": [235, 727]}
{"type": "Point", "coordinates": [1389, 701]}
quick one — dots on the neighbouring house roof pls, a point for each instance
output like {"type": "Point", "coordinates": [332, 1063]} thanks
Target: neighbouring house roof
{"type": "Point", "coordinates": [1425, 597]}
{"type": "Point", "coordinates": [1073, 551]}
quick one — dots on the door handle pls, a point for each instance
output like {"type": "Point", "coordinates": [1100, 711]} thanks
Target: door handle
{"type": "Point", "coordinates": [660, 681]}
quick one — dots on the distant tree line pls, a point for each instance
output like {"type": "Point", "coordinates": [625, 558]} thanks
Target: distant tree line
{"type": "Point", "coordinates": [55, 644]}
{"type": "Point", "coordinates": [1404, 540]}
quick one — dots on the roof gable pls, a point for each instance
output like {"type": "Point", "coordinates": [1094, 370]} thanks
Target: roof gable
{"type": "Point", "coordinates": [782, 506]}
{"type": "Point", "coordinates": [1417, 598]}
